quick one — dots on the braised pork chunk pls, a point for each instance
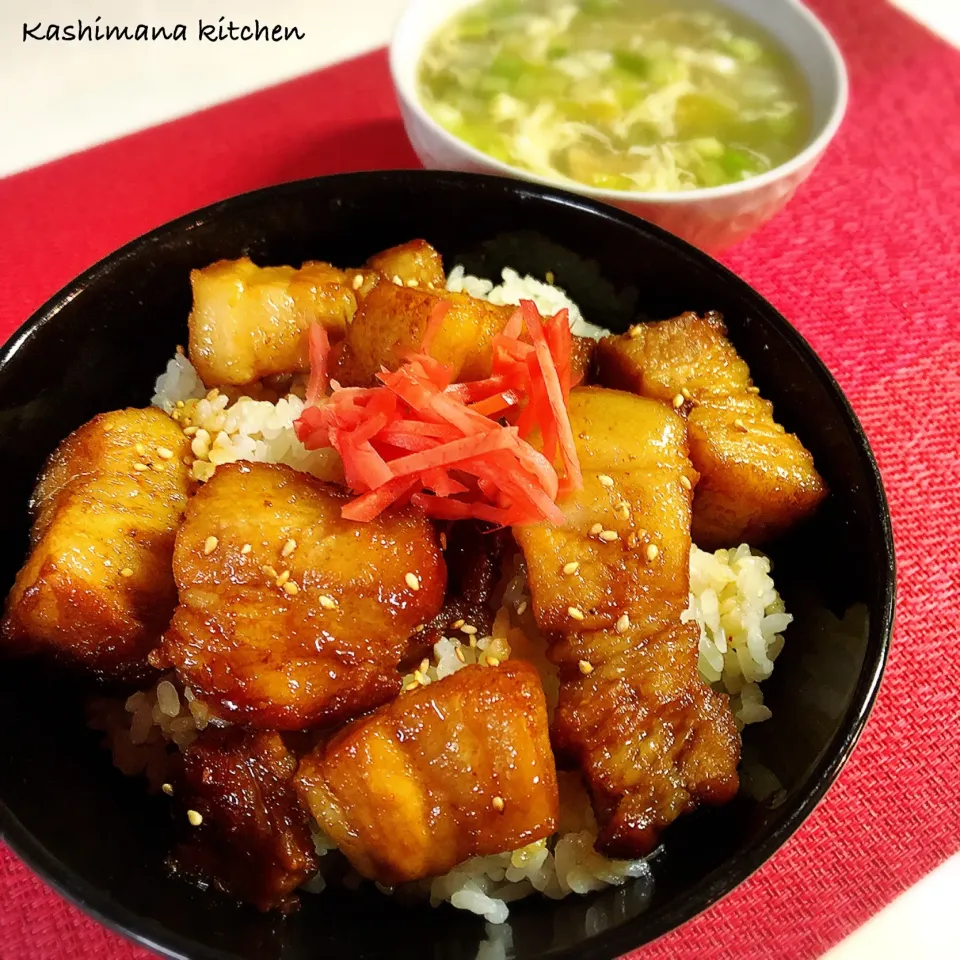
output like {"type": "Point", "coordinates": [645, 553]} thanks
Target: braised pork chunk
{"type": "Point", "coordinates": [391, 323]}
{"type": "Point", "coordinates": [756, 479]}
{"type": "Point", "coordinates": [413, 264]}
{"type": "Point", "coordinates": [238, 811]}
{"type": "Point", "coordinates": [651, 738]}
{"type": "Point", "coordinates": [250, 322]}
{"type": "Point", "coordinates": [458, 769]}
{"type": "Point", "coordinates": [290, 616]}
{"type": "Point", "coordinates": [97, 588]}
{"type": "Point", "coordinates": [627, 530]}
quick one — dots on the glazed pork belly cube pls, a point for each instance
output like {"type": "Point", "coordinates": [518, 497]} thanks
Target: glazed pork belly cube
{"type": "Point", "coordinates": [413, 264]}
{"type": "Point", "coordinates": [756, 480]}
{"type": "Point", "coordinates": [653, 740]}
{"type": "Point", "coordinates": [238, 812]}
{"type": "Point", "coordinates": [457, 769]}
{"type": "Point", "coordinates": [251, 322]}
{"type": "Point", "coordinates": [97, 589]}
{"type": "Point", "coordinates": [392, 320]}
{"type": "Point", "coordinates": [290, 616]}
{"type": "Point", "coordinates": [625, 546]}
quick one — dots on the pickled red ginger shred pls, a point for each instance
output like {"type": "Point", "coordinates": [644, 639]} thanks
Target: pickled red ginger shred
{"type": "Point", "coordinates": [458, 450]}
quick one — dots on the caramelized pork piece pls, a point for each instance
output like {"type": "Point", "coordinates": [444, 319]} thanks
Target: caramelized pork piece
{"type": "Point", "coordinates": [245, 829]}
{"type": "Point", "coordinates": [581, 358]}
{"type": "Point", "coordinates": [474, 556]}
{"type": "Point", "coordinates": [413, 264]}
{"type": "Point", "coordinates": [289, 615]}
{"type": "Point", "coordinates": [626, 543]}
{"type": "Point", "coordinates": [652, 739]}
{"type": "Point", "coordinates": [756, 479]}
{"type": "Point", "coordinates": [250, 322]}
{"type": "Point", "coordinates": [97, 588]}
{"type": "Point", "coordinates": [391, 322]}
{"type": "Point", "coordinates": [608, 588]}
{"type": "Point", "coordinates": [458, 769]}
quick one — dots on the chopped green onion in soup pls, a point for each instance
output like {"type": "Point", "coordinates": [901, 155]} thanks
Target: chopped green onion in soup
{"type": "Point", "coordinates": [654, 95]}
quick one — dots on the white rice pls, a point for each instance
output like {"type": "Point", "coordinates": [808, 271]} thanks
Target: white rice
{"type": "Point", "coordinates": [514, 288]}
{"type": "Point", "coordinates": [732, 597]}
{"type": "Point", "coordinates": [246, 429]}
{"type": "Point", "coordinates": [742, 619]}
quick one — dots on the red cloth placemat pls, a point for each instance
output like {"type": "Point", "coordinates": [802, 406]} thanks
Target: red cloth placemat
{"type": "Point", "coordinates": [866, 263]}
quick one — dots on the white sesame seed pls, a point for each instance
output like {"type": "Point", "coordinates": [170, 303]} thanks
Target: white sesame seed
{"type": "Point", "coordinates": [740, 425]}
{"type": "Point", "coordinates": [608, 536]}
{"type": "Point", "coordinates": [397, 280]}
{"type": "Point", "coordinates": [586, 667]}
{"type": "Point", "coordinates": [195, 818]}
{"type": "Point", "coordinates": [140, 467]}
{"type": "Point", "coordinates": [412, 581]}
{"type": "Point", "coordinates": [245, 549]}
{"type": "Point", "coordinates": [164, 453]}
{"type": "Point", "coordinates": [605, 480]}
{"type": "Point", "coordinates": [493, 661]}
{"type": "Point", "coordinates": [595, 529]}
{"type": "Point", "coordinates": [469, 629]}
{"type": "Point", "coordinates": [685, 482]}
{"type": "Point", "coordinates": [623, 623]}
{"type": "Point", "coordinates": [413, 282]}
{"type": "Point", "coordinates": [652, 551]}
{"type": "Point", "coordinates": [752, 389]}
{"type": "Point", "coordinates": [623, 510]}
{"type": "Point", "coordinates": [358, 281]}
{"type": "Point", "coordinates": [678, 401]}
{"type": "Point", "coordinates": [424, 665]}
{"type": "Point", "coordinates": [288, 548]}
{"type": "Point", "coordinates": [635, 331]}
{"type": "Point", "coordinates": [411, 685]}
{"type": "Point", "coordinates": [575, 612]}
{"type": "Point", "coordinates": [572, 567]}
{"type": "Point", "coordinates": [269, 570]}
{"type": "Point", "coordinates": [686, 393]}
{"type": "Point", "coordinates": [167, 788]}
{"type": "Point", "coordinates": [209, 545]}
{"type": "Point", "coordinates": [291, 588]}
{"type": "Point", "coordinates": [126, 572]}
{"type": "Point", "coordinates": [157, 467]}
{"type": "Point", "coordinates": [498, 804]}
{"type": "Point", "coordinates": [521, 608]}
{"type": "Point", "coordinates": [459, 652]}
{"type": "Point", "coordinates": [141, 449]}
{"type": "Point", "coordinates": [283, 578]}
{"type": "Point", "coordinates": [457, 624]}
{"type": "Point", "coordinates": [327, 602]}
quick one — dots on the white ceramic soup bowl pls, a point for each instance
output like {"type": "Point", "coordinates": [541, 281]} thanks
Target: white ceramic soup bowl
{"type": "Point", "coordinates": [712, 218]}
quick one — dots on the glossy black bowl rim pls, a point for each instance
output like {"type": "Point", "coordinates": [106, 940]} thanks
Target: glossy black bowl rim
{"type": "Point", "coordinates": [98, 903]}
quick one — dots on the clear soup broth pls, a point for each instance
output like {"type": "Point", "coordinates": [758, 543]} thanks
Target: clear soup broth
{"type": "Point", "coordinates": [651, 95]}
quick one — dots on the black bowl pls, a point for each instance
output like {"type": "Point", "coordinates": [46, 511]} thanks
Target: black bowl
{"type": "Point", "coordinates": [100, 343]}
